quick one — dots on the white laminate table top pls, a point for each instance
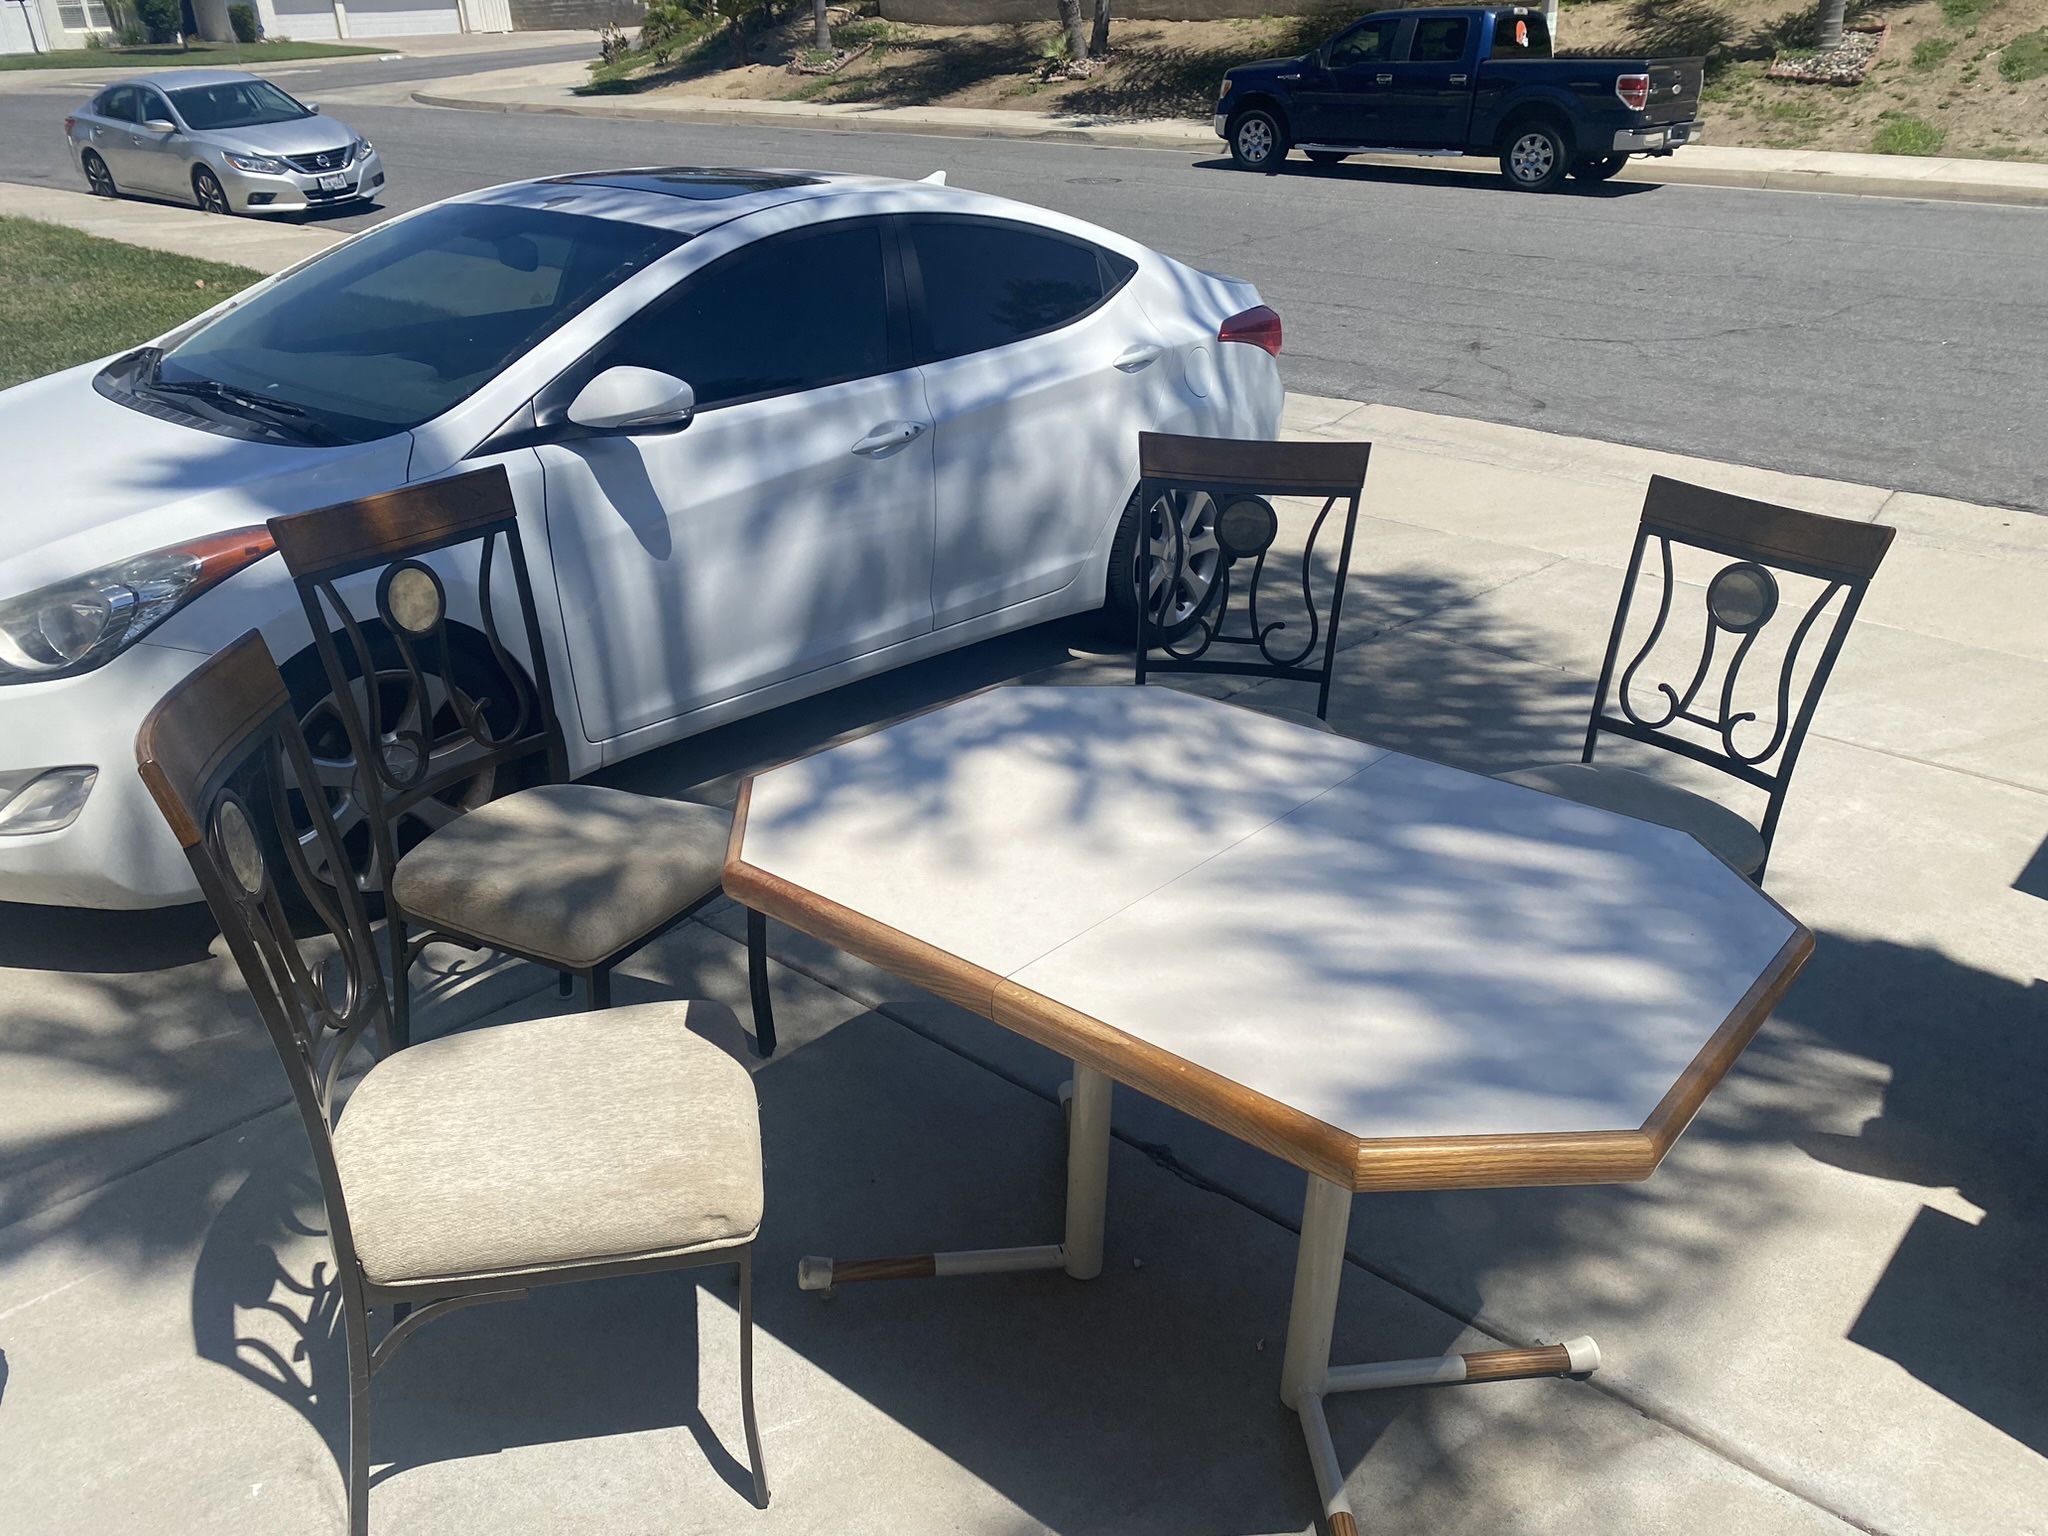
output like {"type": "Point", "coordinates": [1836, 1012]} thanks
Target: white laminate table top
{"type": "Point", "coordinates": [1395, 948]}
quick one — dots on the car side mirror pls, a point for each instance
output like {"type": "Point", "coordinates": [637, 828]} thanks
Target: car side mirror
{"type": "Point", "coordinates": [621, 399]}
{"type": "Point", "coordinates": [312, 108]}
{"type": "Point", "coordinates": [160, 125]}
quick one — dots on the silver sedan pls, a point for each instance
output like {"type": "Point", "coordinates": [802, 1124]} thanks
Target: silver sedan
{"type": "Point", "coordinates": [227, 142]}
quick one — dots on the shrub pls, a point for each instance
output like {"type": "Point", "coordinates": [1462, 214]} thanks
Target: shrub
{"type": "Point", "coordinates": [2025, 57]}
{"type": "Point", "coordinates": [664, 28]}
{"type": "Point", "coordinates": [159, 19]}
{"type": "Point", "coordinates": [612, 45]}
{"type": "Point", "coordinates": [1930, 51]}
{"type": "Point", "coordinates": [95, 41]}
{"type": "Point", "coordinates": [242, 18]}
{"type": "Point", "coordinates": [1963, 13]}
{"type": "Point", "coordinates": [1900, 133]}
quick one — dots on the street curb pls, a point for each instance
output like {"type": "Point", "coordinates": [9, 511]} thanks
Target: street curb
{"type": "Point", "coordinates": [1195, 138]}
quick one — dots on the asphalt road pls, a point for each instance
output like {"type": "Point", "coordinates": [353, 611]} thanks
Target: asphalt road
{"type": "Point", "coordinates": [1886, 341]}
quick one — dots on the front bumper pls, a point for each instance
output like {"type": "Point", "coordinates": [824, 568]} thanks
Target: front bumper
{"type": "Point", "coordinates": [1222, 126]}
{"type": "Point", "coordinates": [295, 191]}
{"type": "Point", "coordinates": [118, 853]}
{"type": "Point", "coordinates": [1655, 141]}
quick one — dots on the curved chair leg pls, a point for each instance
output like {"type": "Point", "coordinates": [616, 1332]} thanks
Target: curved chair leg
{"type": "Point", "coordinates": [356, 1328]}
{"type": "Point", "coordinates": [600, 987]}
{"type": "Point", "coordinates": [757, 983]}
{"type": "Point", "coordinates": [747, 1378]}
{"type": "Point", "coordinates": [565, 983]}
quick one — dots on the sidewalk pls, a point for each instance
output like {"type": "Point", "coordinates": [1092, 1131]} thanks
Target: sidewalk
{"type": "Point", "coordinates": [383, 50]}
{"type": "Point", "coordinates": [1820, 1317]}
{"type": "Point", "coordinates": [550, 88]}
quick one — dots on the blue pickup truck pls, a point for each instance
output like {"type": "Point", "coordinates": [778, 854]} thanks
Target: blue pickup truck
{"type": "Point", "coordinates": [1469, 80]}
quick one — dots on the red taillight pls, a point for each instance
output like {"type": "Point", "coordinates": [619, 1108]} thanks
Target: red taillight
{"type": "Point", "coordinates": [1634, 91]}
{"type": "Point", "coordinates": [70, 123]}
{"type": "Point", "coordinates": [1256, 327]}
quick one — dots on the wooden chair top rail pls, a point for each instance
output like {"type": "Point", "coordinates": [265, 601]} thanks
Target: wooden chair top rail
{"type": "Point", "coordinates": [1762, 531]}
{"type": "Point", "coordinates": [377, 530]}
{"type": "Point", "coordinates": [203, 723]}
{"type": "Point", "coordinates": [1323, 469]}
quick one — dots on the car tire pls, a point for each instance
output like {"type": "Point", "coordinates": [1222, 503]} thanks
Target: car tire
{"type": "Point", "coordinates": [1599, 167]}
{"type": "Point", "coordinates": [208, 193]}
{"type": "Point", "coordinates": [312, 697]}
{"type": "Point", "coordinates": [1258, 141]}
{"type": "Point", "coordinates": [97, 176]}
{"type": "Point", "coordinates": [1120, 601]}
{"type": "Point", "coordinates": [1327, 156]}
{"type": "Point", "coordinates": [1534, 156]}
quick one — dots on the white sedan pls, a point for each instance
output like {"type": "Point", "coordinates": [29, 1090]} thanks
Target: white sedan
{"type": "Point", "coordinates": [768, 432]}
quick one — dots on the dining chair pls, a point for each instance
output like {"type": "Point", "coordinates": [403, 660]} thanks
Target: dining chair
{"type": "Point", "coordinates": [470, 1168]}
{"type": "Point", "coordinates": [1204, 515]}
{"type": "Point", "coordinates": [572, 876]}
{"type": "Point", "coordinates": [1702, 719]}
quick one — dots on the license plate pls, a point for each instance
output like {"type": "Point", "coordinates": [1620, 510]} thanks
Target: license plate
{"type": "Point", "coordinates": [333, 183]}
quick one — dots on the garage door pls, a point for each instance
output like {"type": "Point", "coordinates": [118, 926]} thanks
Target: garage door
{"type": "Point", "coordinates": [304, 21]}
{"type": "Point", "coordinates": [400, 18]}
{"type": "Point", "coordinates": [14, 33]}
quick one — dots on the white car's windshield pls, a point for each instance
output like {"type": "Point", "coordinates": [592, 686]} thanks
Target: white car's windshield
{"type": "Point", "coordinates": [237, 104]}
{"type": "Point", "coordinates": [398, 326]}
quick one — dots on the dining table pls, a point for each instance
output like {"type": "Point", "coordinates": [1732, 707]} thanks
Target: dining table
{"type": "Point", "coordinates": [1390, 973]}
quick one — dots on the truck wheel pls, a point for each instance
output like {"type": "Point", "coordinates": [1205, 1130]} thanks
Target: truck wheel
{"type": "Point", "coordinates": [1535, 157]}
{"type": "Point", "coordinates": [1599, 168]}
{"type": "Point", "coordinates": [1257, 141]}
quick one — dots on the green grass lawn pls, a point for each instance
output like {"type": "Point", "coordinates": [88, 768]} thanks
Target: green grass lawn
{"type": "Point", "coordinates": [70, 297]}
{"type": "Point", "coordinates": [250, 56]}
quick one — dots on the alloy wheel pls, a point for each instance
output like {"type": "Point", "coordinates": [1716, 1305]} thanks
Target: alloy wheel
{"type": "Point", "coordinates": [1255, 140]}
{"type": "Point", "coordinates": [1195, 581]}
{"type": "Point", "coordinates": [1533, 157]}
{"type": "Point", "coordinates": [98, 177]}
{"type": "Point", "coordinates": [340, 777]}
{"type": "Point", "coordinates": [208, 192]}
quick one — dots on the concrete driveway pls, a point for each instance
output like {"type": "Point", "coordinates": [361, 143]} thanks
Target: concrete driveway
{"type": "Point", "coordinates": [1820, 1315]}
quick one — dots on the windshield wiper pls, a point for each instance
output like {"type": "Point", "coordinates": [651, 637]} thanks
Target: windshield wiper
{"type": "Point", "coordinates": [277, 412]}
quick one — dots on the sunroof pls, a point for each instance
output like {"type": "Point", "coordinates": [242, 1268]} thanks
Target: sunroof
{"type": "Point", "coordinates": [698, 183]}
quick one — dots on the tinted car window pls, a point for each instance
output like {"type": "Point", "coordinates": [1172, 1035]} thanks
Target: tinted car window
{"type": "Point", "coordinates": [119, 104]}
{"type": "Point", "coordinates": [1520, 35]}
{"type": "Point", "coordinates": [152, 108]}
{"type": "Point", "coordinates": [401, 323]}
{"type": "Point", "coordinates": [988, 284]}
{"type": "Point", "coordinates": [789, 314]}
{"type": "Point", "coordinates": [236, 104]}
{"type": "Point", "coordinates": [1368, 44]}
{"type": "Point", "coordinates": [1438, 40]}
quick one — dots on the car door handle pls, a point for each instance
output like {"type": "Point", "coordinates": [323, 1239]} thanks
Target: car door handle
{"type": "Point", "coordinates": [1458, 79]}
{"type": "Point", "coordinates": [890, 434]}
{"type": "Point", "coordinates": [1382, 79]}
{"type": "Point", "coordinates": [1140, 354]}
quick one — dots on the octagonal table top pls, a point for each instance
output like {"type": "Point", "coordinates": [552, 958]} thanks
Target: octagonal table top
{"type": "Point", "coordinates": [1393, 973]}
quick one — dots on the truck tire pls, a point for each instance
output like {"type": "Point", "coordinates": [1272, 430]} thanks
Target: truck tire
{"type": "Point", "coordinates": [1534, 156]}
{"type": "Point", "coordinates": [1258, 140]}
{"type": "Point", "coordinates": [1599, 168]}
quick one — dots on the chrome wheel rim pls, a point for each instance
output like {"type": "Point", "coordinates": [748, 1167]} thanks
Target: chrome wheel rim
{"type": "Point", "coordinates": [98, 177]}
{"type": "Point", "coordinates": [1191, 585]}
{"type": "Point", "coordinates": [1255, 139]}
{"type": "Point", "coordinates": [211, 198]}
{"type": "Point", "coordinates": [1532, 158]}
{"type": "Point", "coordinates": [340, 779]}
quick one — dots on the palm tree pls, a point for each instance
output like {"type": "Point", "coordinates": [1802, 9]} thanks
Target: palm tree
{"type": "Point", "coordinates": [821, 27]}
{"type": "Point", "coordinates": [1074, 24]}
{"type": "Point", "coordinates": [1831, 23]}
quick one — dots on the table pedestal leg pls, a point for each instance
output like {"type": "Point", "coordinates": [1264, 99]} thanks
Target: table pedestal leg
{"type": "Point", "coordinates": [1080, 1254]}
{"type": "Point", "coordinates": [1307, 1377]}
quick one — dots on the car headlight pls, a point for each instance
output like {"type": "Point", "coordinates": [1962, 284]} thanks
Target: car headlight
{"type": "Point", "coordinates": [261, 165]}
{"type": "Point", "coordinates": [363, 148]}
{"type": "Point", "coordinates": [74, 626]}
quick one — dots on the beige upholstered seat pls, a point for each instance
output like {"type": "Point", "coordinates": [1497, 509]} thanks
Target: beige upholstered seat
{"type": "Point", "coordinates": [1628, 793]}
{"type": "Point", "coordinates": [568, 873]}
{"type": "Point", "coordinates": [616, 1135]}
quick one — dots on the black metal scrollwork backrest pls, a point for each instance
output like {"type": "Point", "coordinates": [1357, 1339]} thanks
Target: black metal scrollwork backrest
{"type": "Point", "coordinates": [459, 709]}
{"type": "Point", "coordinates": [1204, 517]}
{"type": "Point", "coordinates": [219, 755]}
{"type": "Point", "coordinates": [1700, 716]}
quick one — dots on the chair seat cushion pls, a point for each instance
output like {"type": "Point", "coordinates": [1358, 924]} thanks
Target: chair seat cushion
{"type": "Point", "coordinates": [567, 873]}
{"type": "Point", "coordinates": [1628, 793]}
{"type": "Point", "coordinates": [620, 1134]}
